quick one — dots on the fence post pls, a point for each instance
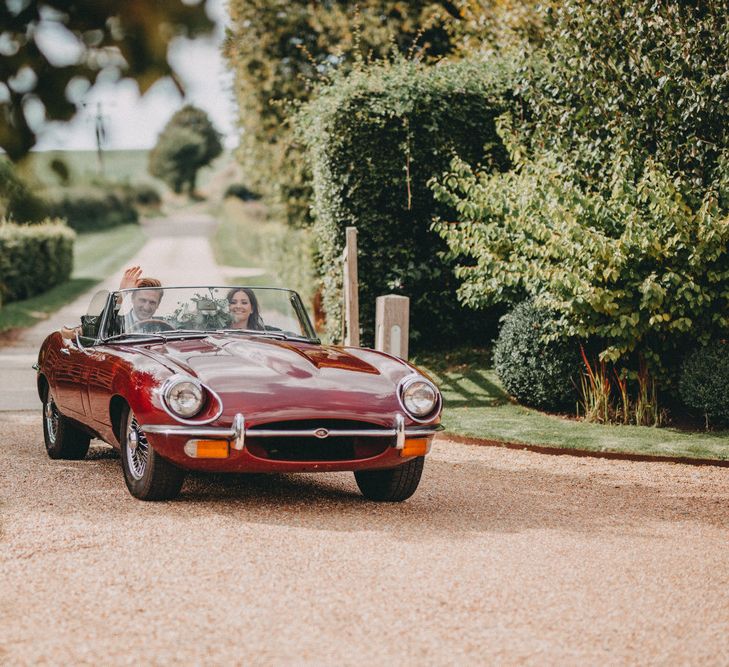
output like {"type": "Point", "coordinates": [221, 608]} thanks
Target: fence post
{"type": "Point", "coordinates": [392, 324]}
{"type": "Point", "coordinates": [351, 290]}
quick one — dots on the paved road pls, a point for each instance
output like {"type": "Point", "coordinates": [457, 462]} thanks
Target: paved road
{"type": "Point", "coordinates": [505, 557]}
{"type": "Point", "coordinates": [177, 252]}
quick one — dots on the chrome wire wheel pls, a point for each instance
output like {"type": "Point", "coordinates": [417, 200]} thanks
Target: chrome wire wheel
{"type": "Point", "coordinates": [63, 438]}
{"type": "Point", "coordinates": [137, 449]}
{"type": "Point", "coordinates": [52, 418]}
{"type": "Point", "coordinates": [148, 475]}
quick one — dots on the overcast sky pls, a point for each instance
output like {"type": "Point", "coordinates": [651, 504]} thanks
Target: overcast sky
{"type": "Point", "coordinates": [134, 122]}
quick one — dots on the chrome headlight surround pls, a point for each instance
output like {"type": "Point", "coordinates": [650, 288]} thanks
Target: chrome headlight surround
{"type": "Point", "coordinates": [171, 402]}
{"type": "Point", "coordinates": [408, 385]}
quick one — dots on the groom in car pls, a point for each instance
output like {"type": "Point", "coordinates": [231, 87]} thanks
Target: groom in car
{"type": "Point", "coordinates": [144, 303]}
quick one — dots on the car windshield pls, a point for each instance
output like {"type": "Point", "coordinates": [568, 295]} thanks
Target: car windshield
{"type": "Point", "coordinates": [166, 311]}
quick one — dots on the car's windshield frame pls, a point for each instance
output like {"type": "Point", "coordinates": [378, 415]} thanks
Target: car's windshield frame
{"type": "Point", "coordinates": [116, 296]}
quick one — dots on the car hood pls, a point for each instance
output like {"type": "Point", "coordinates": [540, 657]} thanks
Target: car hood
{"type": "Point", "coordinates": [275, 380]}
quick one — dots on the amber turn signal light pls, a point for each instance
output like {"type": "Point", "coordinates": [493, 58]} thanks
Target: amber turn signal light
{"type": "Point", "coordinates": [415, 447]}
{"type": "Point", "coordinates": [207, 449]}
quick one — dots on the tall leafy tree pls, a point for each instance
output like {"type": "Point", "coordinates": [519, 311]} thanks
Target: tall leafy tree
{"type": "Point", "coordinates": [188, 142]}
{"type": "Point", "coordinates": [616, 214]}
{"type": "Point", "coordinates": [131, 36]}
{"type": "Point", "coordinates": [499, 25]}
{"type": "Point", "coordinates": [644, 77]}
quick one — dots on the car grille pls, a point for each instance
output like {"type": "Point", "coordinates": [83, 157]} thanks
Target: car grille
{"type": "Point", "coordinates": [331, 448]}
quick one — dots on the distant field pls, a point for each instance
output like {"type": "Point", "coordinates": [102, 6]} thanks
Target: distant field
{"type": "Point", "coordinates": [122, 166]}
{"type": "Point", "coordinates": [83, 166]}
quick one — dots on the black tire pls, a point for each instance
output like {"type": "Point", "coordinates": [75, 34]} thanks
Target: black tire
{"type": "Point", "coordinates": [148, 476]}
{"type": "Point", "coordinates": [63, 440]}
{"type": "Point", "coordinates": [392, 485]}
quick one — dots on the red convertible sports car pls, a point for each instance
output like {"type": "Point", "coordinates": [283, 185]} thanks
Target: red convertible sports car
{"type": "Point", "coordinates": [231, 379]}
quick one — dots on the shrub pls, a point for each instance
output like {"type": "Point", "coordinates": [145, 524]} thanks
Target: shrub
{"type": "Point", "coordinates": [33, 258]}
{"type": "Point", "coordinates": [639, 269]}
{"type": "Point", "coordinates": [89, 209]}
{"type": "Point", "coordinates": [241, 192]}
{"type": "Point", "coordinates": [17, 201]}
{"type": "Point", "coordinates": [141, 195]}
{"type": "Point", "coordinates": [534, 371]}
{"type": "Point", "coordinates": [61, 170]}
{"type": "Point", "coordinates": [704, 382]}
{"type": "Point", "coordinates": [374, 140]}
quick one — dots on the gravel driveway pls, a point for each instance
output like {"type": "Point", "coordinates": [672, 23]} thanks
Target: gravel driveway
{"type": "Point", "coordinates": [501, 556]}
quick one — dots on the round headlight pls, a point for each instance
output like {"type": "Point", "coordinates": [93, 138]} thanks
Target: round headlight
{"type": "Point", "coordinates": [419, 397]}
{"type": "Point", "coordinates": [184, 398]}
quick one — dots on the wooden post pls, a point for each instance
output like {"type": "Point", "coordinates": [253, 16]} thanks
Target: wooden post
{"type": "Point", "coordinates": [392, 324]}
{"type": "Point", "coordinates": [351, 290]}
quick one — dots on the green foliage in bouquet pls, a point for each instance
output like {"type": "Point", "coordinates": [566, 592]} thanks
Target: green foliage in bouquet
{"type": "Point", "coordinates": [202, 312]}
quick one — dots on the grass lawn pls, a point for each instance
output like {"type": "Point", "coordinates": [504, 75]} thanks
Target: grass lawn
{"type": "Point", "coordinates": [96, 255]}
{"type": "Point", "coordinates": [477, 406]}
{"type": "Point", "coordinates": [246, 238]}
{"type": "Point", "coordinates": [237, 242]}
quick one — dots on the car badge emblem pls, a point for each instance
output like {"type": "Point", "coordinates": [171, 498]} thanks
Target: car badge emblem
{"type": "Point", "coordinates": [321, 433]}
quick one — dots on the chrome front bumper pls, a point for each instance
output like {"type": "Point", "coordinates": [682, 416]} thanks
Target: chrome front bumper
{"type": "Point", "coordinates": [237, 432]}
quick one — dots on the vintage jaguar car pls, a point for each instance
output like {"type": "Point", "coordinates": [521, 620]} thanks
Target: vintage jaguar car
{"type": "Point", "coordinates": [231, 379]}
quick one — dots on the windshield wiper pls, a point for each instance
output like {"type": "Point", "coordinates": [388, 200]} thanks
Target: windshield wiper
{"type": "Point", "coordinates": [184, 332]}
{"type": "Point", "coordinates": [159, 335]}
{"type": "Point", "coordinates": [279, 335]}
{"type": "Point", "coordinates": [137, 336]}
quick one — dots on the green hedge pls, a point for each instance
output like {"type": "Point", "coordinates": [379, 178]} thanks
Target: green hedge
{"type": "Point", "coordinates": [91, 209]}
{"type": "Point", "coordinates": [375, 138]}
{"type": "Point", "coordinates": [17, 200]}
{"type": "Point", "coordinates": [33, 258]}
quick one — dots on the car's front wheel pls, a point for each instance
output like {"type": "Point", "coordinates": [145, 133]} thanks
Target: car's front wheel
{"type": "Point", "coordinates": [63, 440]}
{"type": "Point", "coordinates": [393, 484]}
{"type": "Point", "coordinates": [147, 474]}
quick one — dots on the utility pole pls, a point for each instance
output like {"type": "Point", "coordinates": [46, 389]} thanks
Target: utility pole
{"type": "Point", "coordinates": [99, 120]}
{"type": "Point", "coordinates": [100, 130]}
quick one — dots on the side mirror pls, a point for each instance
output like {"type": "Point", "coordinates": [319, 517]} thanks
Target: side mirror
{"type": "Point", "coordinates": [80, 345]}
{"type": "Point", "coordinates": [90, 326]}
